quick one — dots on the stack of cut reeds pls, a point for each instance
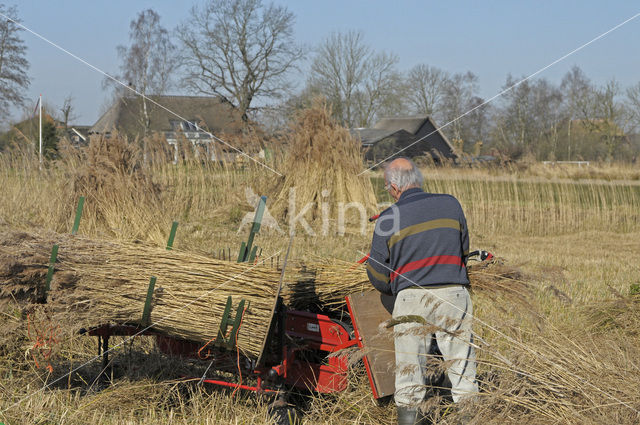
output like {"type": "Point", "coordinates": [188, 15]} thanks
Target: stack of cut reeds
{"type": "Point", "coordinates": [326, 284]}
{"type": "Point", "coordinates": [98, 282]}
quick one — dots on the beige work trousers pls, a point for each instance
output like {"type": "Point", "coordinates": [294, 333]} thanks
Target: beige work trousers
{"type": "Point", "coordinates": [446, 312]}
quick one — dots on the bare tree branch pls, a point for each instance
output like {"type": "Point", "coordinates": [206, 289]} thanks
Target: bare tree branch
{"type": "Point", "coordinates": [147, 64]}
{"type": "Point", "coordinates": [68, 111]}
{"type": "Point", "coordinates": [240, 50]}
{"type": "Point", "coordinates": [426, 88]}
{"type": "Point", "coordinates": [358, 83]}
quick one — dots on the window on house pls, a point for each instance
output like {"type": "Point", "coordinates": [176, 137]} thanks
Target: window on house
{"type": "Point", "coordinates": [189, 126]}
{"type": "Point", "coordinates": [183, 125]}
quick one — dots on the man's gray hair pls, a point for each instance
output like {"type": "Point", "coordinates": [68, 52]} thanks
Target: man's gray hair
{"type": "Point", "coordinates": [402, 177]}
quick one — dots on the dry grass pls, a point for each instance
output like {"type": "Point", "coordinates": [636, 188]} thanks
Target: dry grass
{"type": "Point", "coordinates": [325, 284]}
{"type": "Point", "coordinates": [559, 364]}
{"type": "Point", "coordinates": [564, 350]}
{"type": "Point", "coordinates": [535, 206]}
{"type": "Point", "coordinates": [533, 170]}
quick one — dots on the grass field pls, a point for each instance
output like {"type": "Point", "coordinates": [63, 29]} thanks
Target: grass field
{"type": "Point", "coordinates": [565, 350]}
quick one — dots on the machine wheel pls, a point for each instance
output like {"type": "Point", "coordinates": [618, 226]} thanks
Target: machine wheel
{"type": "Point", "coordinates": [285, 415]}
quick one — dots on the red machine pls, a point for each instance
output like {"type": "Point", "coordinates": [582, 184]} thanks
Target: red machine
{"type": "Point", "coordinates": [296, 354]}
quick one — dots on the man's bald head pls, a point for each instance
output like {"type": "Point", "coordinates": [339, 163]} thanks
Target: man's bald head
{"type": "Point", "coordinates": [401, 164]}
{"type": "Point", "coordinates": [403, 174]}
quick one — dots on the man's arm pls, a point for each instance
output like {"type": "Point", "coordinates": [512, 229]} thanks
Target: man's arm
{"type": "Point", "coordinates": [464, 237]}
{"type": "Point", "coordinates": [378, 268]}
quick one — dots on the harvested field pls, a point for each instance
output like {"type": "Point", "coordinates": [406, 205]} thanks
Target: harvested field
{"type": "Point", "coordinates": [556, 323]}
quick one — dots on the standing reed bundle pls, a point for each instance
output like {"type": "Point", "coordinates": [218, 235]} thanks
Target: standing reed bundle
{"type": "Point", "coordinates": [100, 282]}
{"type": "Point", "coordinates": [324, 162]}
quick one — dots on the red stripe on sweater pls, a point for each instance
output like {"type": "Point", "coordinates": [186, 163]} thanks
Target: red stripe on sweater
{"type": "Point", "coordinates": [427, 262]}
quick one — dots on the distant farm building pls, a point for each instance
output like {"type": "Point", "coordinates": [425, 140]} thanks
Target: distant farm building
{"type": "Point", "coordinates": [78, 135]}
{"type": "Point", "coordinates": [202, 117]}
{"type": "Point", "coordinates": [417, 135]}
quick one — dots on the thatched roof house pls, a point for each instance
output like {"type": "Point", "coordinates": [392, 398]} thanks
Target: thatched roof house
{"type": "Point", "coordinates": [418, 134]}
{"type": "Point", "coordinates": [175, 118]}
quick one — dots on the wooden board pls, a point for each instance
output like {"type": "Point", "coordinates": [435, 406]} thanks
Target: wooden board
{"type": "Point", "coordinates": [367, 312]}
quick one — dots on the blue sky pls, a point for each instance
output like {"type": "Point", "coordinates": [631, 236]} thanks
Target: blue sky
{"type": "Point", "coordinates": [490, 38]}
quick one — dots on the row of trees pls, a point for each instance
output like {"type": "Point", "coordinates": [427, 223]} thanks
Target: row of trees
{"type": "Point", "coordinates": [575, 119]}
{"type": "Point", "coordinates": [245, 52]}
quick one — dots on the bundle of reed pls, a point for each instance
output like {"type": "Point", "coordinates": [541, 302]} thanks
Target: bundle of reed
{"type": "Point", "coordinates": [325, 163]}
{"type": "Point", "coordinates": [97, 282]}
{"type": "Point", "coordinates": [327, 283]}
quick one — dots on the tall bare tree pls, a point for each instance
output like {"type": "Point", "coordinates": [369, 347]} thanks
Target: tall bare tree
{"type": "Point", "coordinates": [381, 90]}
{"type": "Point", "coordinates": [358, 82]}
{"type": "Point", "coordinates": [460, 96]}
{"type": "Point", "coordinates": [148, 63]}
{"type": "Point", "coordinates": [426, 88]}
{"type": "Point", "coordinates": [13, 62]}
{"type": "Point", "coordinates": [603, 114]}
{"type": "Point", "coordinates": [67, 111]}
{"type": "Point", "coordinates": [577, 91]}
{"type": "Point", "coordinates": [241, 50]}
{"type": "Point", "coordinates": [527, 117]}
{"type": "Point", "coordinates": [576, 88]}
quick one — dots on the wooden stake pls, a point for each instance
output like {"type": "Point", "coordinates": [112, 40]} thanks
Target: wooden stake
{"type": "Point", "coordinates": [146, 313]}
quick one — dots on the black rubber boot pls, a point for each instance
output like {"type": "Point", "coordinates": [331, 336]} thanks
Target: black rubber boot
{"type": "Point", "coordinates": [408, 416]}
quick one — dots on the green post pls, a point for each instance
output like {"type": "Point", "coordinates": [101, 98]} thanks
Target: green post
{"type": "Point", "coordinates": [172, 235]}
{"type": "Point", "coordinates": [231, 342]}
{"type": "Point", "coordinates": [146, 313]}
{"type": "Point", "coordinates": [76, 223]}
{"type": "Point", "coordinates": [246, 249]}
{"type": "Point", "coordinates": [224, 322]}
{"type": "Point", "coordinates": [243, 252]}
{"type": "Point", "coordinates": [52, 263]}
{"type": "Point", "coordinates": [252, 255]}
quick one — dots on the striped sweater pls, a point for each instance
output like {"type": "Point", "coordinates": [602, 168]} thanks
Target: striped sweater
{"type": "Point", "coordinates": [420, 240]}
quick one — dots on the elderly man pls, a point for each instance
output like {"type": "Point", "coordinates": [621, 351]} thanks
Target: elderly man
{"type": "Point", "coordinates": [418, 254]}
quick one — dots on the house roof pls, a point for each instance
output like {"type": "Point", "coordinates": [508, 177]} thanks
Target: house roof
{"type": "Point", "coordinates": [126, 114]}
{"type": "Point", "coordinates": [414, 128]}
{"type": "Point", "coordinates": [411, 123]}
{"type": "Point", "coordinates": [370, 136]}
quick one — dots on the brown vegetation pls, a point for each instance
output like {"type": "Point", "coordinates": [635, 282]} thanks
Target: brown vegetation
{"type": "Point", "coordinates": [558, 348]}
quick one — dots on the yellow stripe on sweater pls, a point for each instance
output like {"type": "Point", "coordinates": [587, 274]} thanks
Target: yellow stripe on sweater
{"type": "Point", "coordinates": [441, 223]}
